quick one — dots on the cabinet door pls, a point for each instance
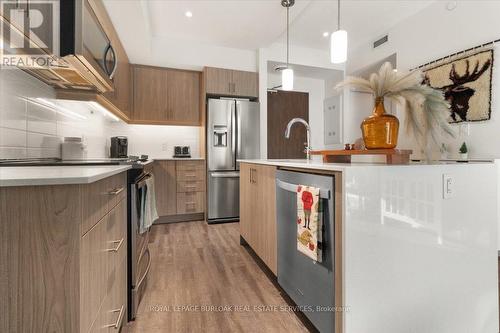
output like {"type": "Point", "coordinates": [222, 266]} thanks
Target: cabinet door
{"type": "Point", "coordinates": [218, 81]}
{"type": "Point", "coordinates": [165, 187]}
{"type": "Point", "coordinates": [266, 194]}
{"type": "Point", "coordinates": [93, 273]}
{"type": "Point", "coordinates": [248, 196]}
{"type": "Point", "coordinates": [183, 92]}
{"type": "Point", "coordinates": [258, 211]}
{"type": "Point", "coordinates": [245, 84]}
{"type": "Point", "coordinates": [150, 94]}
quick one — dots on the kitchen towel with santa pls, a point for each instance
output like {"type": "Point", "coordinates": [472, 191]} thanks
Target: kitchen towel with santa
{"type": "Point", "coordinates": [309, 222]}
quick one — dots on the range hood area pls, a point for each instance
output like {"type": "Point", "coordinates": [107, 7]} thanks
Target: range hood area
{"type": "Point", "coordinates": [73, 52]}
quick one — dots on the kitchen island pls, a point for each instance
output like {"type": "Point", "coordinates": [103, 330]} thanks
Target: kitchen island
{"type": "Point", "coordinates": [415, 246]}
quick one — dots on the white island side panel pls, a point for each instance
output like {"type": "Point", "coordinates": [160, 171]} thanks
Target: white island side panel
{"type": "Point", "coordinates": [415, 262]}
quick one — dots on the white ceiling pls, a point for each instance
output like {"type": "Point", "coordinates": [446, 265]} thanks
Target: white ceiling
{"type": "Point", "coordinates": [363, 20]}
{"type": "Point", "coordinates": [244, 24]}
{"type": "Point", "coordinates": [250, 24]}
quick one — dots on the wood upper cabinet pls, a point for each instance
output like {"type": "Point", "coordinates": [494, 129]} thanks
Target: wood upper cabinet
{"type": "Point", "coordinates": [166, 96]}
{"type": "Point", "coordinates": [245, 83]}
{"type": "Point", "coordinates": [183, 96]}
{"type": "Point", "coordinates": [258, 211]}
{"type": "Point", "coordinates": [150, 96]}
{"type": "Point", "coordinates": [220, 81]}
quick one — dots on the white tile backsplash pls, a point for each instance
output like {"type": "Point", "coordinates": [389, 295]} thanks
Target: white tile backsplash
{"type": "Point", "coordinates": [30, 127]}
{"type": "Point", "coordinates": [41, 119]}
{"type": "Point", "coordinates": [12, 137]}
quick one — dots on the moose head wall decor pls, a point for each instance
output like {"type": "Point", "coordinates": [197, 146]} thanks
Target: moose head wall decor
{"type": "Point", "coordinates": [468, 91]}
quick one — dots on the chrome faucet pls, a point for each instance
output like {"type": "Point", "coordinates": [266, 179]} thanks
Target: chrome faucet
{"type": "Point", "coordinates": [308, 129]}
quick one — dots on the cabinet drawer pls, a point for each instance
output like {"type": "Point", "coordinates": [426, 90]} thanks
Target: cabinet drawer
{"type": "Point", "coordinates": [93, 273]}
{"type": "Point", "coordinates": [190, 165]}
{"type": "Point", "coordinates": [191, 175]}
{"type": "Point", "coordinates": [116, 235]}
{"type": "Point", "coordinates": [100, 197]}
{"type": "Point", "coordinates": [190, 186]}
{"type": "Point", "coordinates": [190, 203]}
{"type": "Point", "coordinates": [103, 250]}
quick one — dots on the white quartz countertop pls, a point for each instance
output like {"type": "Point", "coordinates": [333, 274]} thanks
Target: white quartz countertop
{"type": "Point", "coordinates": [320, 165]}
{"type": "Point", "coordinates": [57, 175]}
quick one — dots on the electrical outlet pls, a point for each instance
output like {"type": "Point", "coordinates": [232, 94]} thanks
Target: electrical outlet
{"type": "Point", "coordinates": [448, 187]}
{"type": "Point", "coordinates": [164, 147]}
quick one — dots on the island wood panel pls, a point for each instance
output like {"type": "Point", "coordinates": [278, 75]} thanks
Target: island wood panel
{"type": "Point", "coordinates": [165, 187]}
{"type": "Point", "coordinates": [183, 89]}
{"type": "Point", "coordinates": [266, 184]}
{"type": "Point", "coordinates": [247, 200]}
{"type": "Point", "coordinates": [39, 263]}
{"type": "Point", "coordinates": [258, 211]}
{"type": "Point", "coordinates": [150, 94]}
{"type": "Point", "coordinates": [283, 106]}
{"type": "Point", "coordinates": [245, 83]}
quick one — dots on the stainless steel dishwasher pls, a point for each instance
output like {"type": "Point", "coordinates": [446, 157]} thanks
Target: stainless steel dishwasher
{"type": "Point", "coordinates": [310, 284]}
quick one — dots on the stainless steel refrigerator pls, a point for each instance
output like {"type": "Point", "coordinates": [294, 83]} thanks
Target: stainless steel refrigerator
{"type": "Point", "coordinates": [232, 134]}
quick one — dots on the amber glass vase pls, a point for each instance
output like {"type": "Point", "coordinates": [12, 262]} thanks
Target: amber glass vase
{"type": "Point", "coordinates": [380, 130]}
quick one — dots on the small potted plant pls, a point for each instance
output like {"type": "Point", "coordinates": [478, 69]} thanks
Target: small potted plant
{"type": "Point", "coordinates": [463, 152]}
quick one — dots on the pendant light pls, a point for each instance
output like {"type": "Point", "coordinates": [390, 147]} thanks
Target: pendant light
{"type": "Point", "coordinates": [287, 73]}
{"type": "Point", "coordinates": [338, 40]}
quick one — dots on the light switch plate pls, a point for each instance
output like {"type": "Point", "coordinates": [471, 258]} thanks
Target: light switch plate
{"type": "Point", "coordinates": [448, 186]}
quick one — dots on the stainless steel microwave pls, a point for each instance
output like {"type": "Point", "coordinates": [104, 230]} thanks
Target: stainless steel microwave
{"type": "Point", "coordinates": [84, 54]}
{"type": "Point", "coordinates": [84, 43]}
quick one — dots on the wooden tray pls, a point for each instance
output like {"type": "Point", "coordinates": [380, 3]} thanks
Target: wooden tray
{"type": "Point", "coordinates": [392, 156]}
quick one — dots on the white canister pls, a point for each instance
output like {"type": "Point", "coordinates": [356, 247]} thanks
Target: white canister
{"type": "Point", "coordinates": [73, 148]}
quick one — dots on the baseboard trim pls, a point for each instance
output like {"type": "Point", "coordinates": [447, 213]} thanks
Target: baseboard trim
{"type": "Point", "coordinates": [180, 218]}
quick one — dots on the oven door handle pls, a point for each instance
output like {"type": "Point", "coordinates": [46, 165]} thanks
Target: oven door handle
{"type": "Point", "coordinates": [140, 184]}
{"type": "Point", "coordinates": [147, 269]}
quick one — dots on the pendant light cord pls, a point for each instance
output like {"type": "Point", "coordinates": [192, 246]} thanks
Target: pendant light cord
{"type": "Point", "coordinates": [287, 35]}
{"type": "Point", "coordinates": [338, 14]}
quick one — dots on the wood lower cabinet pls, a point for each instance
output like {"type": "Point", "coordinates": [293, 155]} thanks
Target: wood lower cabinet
{"type": "Point", "coordinates": [227, 82]}
{"type": "Point", "coordinates": [63, 269]}
{"type": "Point", "coordinates": [166, 96]}
{"type": "Point", "coordinates": [180, 189]}
{"type": "Point", "coordinates": [258, 211]}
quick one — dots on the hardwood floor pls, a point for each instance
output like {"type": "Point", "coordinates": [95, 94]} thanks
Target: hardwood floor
{"type": "Point", "coordinates": [195, 264]}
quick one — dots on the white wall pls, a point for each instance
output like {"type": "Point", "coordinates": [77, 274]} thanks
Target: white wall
{"type": "Point", "coordinates": [431, 34]}
{"type": "Point", "coordinates": [28, 129]}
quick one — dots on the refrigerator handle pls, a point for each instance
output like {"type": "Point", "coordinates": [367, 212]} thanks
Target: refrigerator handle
{"type": "Point", "coordinates": [234, 130]}
{"type": "Point", "coordinates": [238, 131]}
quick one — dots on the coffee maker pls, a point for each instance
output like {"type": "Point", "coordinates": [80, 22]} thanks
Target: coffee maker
{"type": "Point", "coordinates": [119, 145]}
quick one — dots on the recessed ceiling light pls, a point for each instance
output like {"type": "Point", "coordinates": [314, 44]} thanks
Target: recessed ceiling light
{"type": "Point", "coordinates": [451, 5]}
{"type": "Point", "coordinates": [325, 34]}
{"type": "Point", "coordinates": [188, 14]}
